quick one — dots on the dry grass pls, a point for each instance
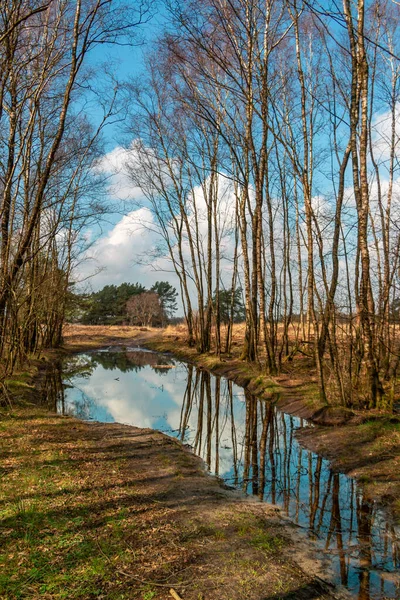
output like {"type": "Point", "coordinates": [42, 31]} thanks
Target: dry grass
{"type": "Point", "coordinates": [96, 336]}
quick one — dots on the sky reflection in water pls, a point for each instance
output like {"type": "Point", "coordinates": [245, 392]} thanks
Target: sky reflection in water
{"type": "Point", "coordinates": [250, 445]}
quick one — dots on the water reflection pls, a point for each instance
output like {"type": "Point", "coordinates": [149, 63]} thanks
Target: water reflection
{"type": "Point", "coordinates": [249, 444]}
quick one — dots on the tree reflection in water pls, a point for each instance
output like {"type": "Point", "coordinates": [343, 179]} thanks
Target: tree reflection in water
{"type": "Point", "coordinates": [273, 466]}
{"type": "Point", "coordinates": [251, 445]}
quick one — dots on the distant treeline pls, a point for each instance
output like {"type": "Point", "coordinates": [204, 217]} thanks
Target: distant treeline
{"type": "Point", "coordinates": [134, 304]}
{"type": "Point", "coordinates": [128, 303]}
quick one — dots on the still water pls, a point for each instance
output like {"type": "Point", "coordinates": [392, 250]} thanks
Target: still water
{"type": "Point", "coordinates": [249, 444]}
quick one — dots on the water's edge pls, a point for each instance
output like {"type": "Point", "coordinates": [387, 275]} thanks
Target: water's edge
{"type": "Point", "coordinates": [280, 419]}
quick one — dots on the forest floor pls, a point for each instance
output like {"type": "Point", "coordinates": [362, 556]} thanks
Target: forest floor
{"type": "Point", "coordinates": [92, 510]}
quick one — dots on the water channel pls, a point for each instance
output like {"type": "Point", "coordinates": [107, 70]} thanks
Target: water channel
{"type": "Point", "coordinates": [245, 441]}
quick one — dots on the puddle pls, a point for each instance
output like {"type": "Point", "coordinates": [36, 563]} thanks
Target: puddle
{"type": "Point", "coordinates": [245, 441]}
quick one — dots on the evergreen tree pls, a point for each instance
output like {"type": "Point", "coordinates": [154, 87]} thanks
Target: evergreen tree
{"type": "Point", "coordinates": [225, 303]}
{"type": "Point", "coordinates": [108, 305]}
{"type": "Point", "coordinates": [167, 294]}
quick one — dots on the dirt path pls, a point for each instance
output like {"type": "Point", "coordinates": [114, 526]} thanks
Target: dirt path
{"type": "Point", "coordinates": [110, 511]}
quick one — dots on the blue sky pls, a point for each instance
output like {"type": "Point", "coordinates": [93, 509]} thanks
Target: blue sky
{"type": "Point", "coordinates": [119, 251]}
{"type": "Point", "coordinates": [125, 62]}
{"type": "Point", "coordinates": [122, 63]}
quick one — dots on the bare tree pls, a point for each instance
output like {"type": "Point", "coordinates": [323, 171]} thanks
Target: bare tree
{"type": "Point", "coordinates": [269, 97]}
{"type": "Point", "coordinates": [46, 149]}
{"type": "Point", "coordinates": [145, 309]}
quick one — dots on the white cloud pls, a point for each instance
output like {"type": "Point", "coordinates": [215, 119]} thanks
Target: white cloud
{"type": "Point", "coordinates": [120, 255]}
{"type": "Point", "coordinates": [382, 133]}
{"type": "Point", "coordinates": [133, 250]}
{"type": "Point", "coordinates": [120, 186]}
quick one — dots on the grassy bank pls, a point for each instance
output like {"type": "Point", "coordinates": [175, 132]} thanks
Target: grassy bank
{"type": "Point", "coordinates": [111, 511]}
{"type": "Point", "coordinates": [374, 459]}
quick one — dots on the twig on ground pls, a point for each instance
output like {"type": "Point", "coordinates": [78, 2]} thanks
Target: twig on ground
{"type": "Point", "coordinates": [6, 394]}
{"type": "Point", "coordinates": [138, 579]}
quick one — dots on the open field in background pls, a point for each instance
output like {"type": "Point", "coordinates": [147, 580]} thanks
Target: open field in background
{"type": "Point", "coordinates": [96, 336]}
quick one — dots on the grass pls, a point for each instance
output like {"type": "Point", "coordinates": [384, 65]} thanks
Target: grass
{"type": "Point", "coordinates": [20, 380]}
{"type": "Point", "coordinates": [18, 386]}
{"type": "Point", "coordinates": [48, 523]}
{"type": "Point", "coordinates": [268, 386]}
{"type": "Point", "coordinates": [107, 511]}
{"type": "Point", "coordinates": [381, 425]}
{"type": "Point", "coordinates": [267, 542]}
{"type": "Point", "coordinates": [149, 595]}
{"type": "Point", "coordinates": [252, 528]}
{"type": "Point", "coordinates": [44, 547]}
{"type": "Point", "coordinates": [82, 506]}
